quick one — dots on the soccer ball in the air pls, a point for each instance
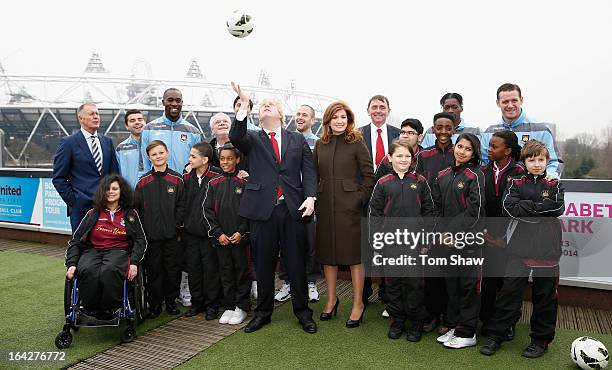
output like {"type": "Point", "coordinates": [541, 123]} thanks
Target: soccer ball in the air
{"type": "Point", "coordinates": [240, 24]}
{"type": "Point", "coordinates": [589, 353]}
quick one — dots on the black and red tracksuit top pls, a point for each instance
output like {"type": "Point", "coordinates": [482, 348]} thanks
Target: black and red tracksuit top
{"type": "Point", "coordinates": [396, 197]}
{"type": "Point", "coordinates": [494, 192]}
{"type": "Point", "coordinates": [459, 197]}
{"type": "Point", "coordinates": [432, 160]}
{"type": "Point", "coordinates": [195, 191]}
{"type": "Point", "coordinates": [161, 197]}
{"type": "Point", "coordinates": [408, 200]}
{"type": "Point", "coordinates": [221, 206]}
{"type": "Point", "coordinates": [534, 203]}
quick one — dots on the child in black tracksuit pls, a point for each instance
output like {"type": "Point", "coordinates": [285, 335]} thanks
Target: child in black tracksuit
{"type": "Point", "coordinates": [534, 202]}
{"type": "Point", "coordinates": [229, 229]}
{"type": "Point", "coordinates": [199, 255]}
{"type": "Point", "coordinates": [401, 200]}
{"type": "Point", "coordinates": [161, 195]}
{"type": "Point", "coordinates": [458, 194]}
{"type": "Point", "coordinates": [429, 162]}
{"type": "Point", "coordinates": [504, 152]}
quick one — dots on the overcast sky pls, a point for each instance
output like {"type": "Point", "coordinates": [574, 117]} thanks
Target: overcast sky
{"type": "Point", "coordinates": [559, 52]}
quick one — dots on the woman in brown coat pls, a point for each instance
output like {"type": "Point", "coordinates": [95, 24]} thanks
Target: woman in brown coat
{"type": "Point", "coordinates": [345, 182]}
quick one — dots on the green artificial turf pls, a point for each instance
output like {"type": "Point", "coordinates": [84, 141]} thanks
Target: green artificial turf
{"type": "Point", "coordinates": [284, 345]}
{"type": "Point", "coordinates": [31, 300]}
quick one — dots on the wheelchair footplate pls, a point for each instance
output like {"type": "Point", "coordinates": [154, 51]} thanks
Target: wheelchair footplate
{"type": "Point", "coordinates": [86, 319]}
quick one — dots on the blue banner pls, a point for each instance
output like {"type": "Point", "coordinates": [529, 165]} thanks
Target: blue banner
{"type": "Point", "coordinates": [54, 208]}
{"type": "Point", "coordinates": [17, 199]}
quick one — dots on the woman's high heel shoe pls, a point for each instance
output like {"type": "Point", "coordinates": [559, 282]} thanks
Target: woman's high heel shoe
{"type": "Point", "coordinates": [355, 323]}
{"type": "Point", "coordinates": [328, 315]}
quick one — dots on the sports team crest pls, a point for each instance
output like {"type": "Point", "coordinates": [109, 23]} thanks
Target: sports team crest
{"type": "Point", "coordinates": [525, 138]}
{"type": "Point", "coordinates": [460, 185]}
{"type": "Point", "coordinates": [170, 189]}
{"type": "Point", "coordinates": [413, 186]}
{"type": "Point", "coordinates": [545, 194]}
{"type": "Point", "coordinates": [122, 222]}
{"type": "Point", "coordinates": [183, 137]}
{"type": "Point", "coordinates": [238, 191]}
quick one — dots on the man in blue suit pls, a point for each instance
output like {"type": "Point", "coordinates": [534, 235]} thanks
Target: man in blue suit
{"type": "Point", "coordinates": [278, 201]}
{"type": "Point", "coordinates": [81, 160]}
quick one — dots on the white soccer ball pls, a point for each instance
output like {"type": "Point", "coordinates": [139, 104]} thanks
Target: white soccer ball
{"type": "Point", "coordinates": [240, 24]}
{"type": "Point", "coordinates": [589, 353]}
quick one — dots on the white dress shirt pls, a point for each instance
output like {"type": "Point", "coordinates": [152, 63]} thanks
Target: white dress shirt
{"type": "Point", "coordinates": [90, 145]}
{"type": "Point", "coordinates": [242, 113]}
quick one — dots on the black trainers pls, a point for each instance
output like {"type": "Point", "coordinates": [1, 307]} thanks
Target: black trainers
{"type": "Point", "coordinates": [430, 326]}
{"type": "Point", "coordinates": [415, 332]}
{"type": "Point", "coordinates": [211, 313]}
{"type": "Point", "coordinates": [490, 348]}
{"type": "Point", "coordinates": [172, 309]}
{"type": "Point", "coordinates": [395, 329]}
{"type": "Point", "coordinates": [535, 349]}
{"type": "Point", "coordinates": [154, 311]}
{"type": "Point", "coordinates": [193, 311]}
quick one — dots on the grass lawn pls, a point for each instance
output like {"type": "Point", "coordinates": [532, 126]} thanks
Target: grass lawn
{"type": "Point", "coordinates": [283, 344]}
{"type": "Point", "coordinates": [31, 298]}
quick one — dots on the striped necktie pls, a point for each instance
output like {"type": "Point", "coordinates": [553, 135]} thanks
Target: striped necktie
{"type": "Point", "coordinates": [97, 155]}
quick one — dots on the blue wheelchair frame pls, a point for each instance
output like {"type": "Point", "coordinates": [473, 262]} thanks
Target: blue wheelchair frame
{"type": "Point", "coordinates": [126, 312]}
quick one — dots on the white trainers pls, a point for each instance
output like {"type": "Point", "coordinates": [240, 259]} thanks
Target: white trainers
{"type": "Point", "coordinates": [254, 290]}
{"type": "Point", "coordinates": [385, 314]}
{"type": "Point", "coordinates": [185, 295]}
{"type": "Point", "coordinates": [446, 337]}
{"type": "Point", "coordinates": [226, 317]}
{"type": "Point", "coordinates": [459, 342]}
{"type": "Point", "coordinates": [186, 300]}
{"type": "Point", "coordinates": [313, 293]}
{"type": "Point", "coordinates": [284, 293]}
{"type": "Point", "coordinates": [238, 316]}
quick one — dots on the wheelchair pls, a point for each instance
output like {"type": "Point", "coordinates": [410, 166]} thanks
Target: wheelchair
{"type": "Point", "coordinates": [132, 311]}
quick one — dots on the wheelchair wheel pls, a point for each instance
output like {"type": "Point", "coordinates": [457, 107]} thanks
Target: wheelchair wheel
{"type": "Point", "coordinates": [63, 339]}
{"type": "Point", "coordinates": [129, 334]}
{"type": "Point", "coordinates": [138, 298]}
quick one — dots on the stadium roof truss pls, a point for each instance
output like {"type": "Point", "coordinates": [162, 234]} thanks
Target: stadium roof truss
{"type": "Point", "coordinates": [42, 109]}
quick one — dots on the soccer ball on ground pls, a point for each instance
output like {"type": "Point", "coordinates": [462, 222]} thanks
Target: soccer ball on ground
{"type": "Point", "coordinates": [240, 24]}
{"type": "Point", "coordinates": [589, 353]}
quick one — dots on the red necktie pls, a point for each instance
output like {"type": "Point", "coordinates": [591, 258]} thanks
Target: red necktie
{"type": "Point", "coordinates": [279, 191]}
{"type": "Point", "coordinates": [380, 148]}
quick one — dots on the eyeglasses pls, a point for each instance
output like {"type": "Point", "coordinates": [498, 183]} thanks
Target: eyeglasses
{"type": "Point", "coordinates": [409, 133]}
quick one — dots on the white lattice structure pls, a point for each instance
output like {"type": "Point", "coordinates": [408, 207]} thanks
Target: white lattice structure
{"type": "Point", "coordinates": [36, 111]}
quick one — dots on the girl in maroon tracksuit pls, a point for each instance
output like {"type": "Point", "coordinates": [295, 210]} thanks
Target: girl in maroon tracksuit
{"type": "Point", "coordinates": [458, 193]}
{"type": "Point", "coordinates": [504, 152]}
{"type": "Point", "coordinates": [107, 247]}
{"type": "Point", "coordinates": [402, 200]}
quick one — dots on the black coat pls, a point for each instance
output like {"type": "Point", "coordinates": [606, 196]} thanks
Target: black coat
{"type": "Point", "coordinates": [295, 173]}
